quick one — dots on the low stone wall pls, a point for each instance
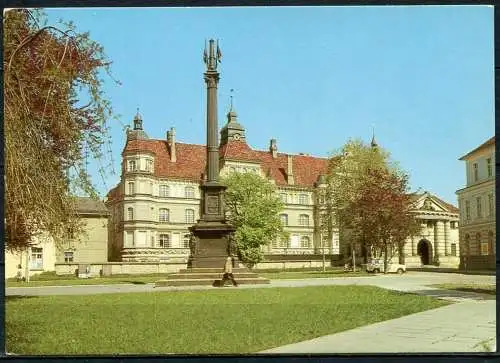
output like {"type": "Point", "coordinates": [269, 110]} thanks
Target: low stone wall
{"type": "Point", "coordinates": [478, 263]}
{"type": "Point", "coordinates": [118, 268]}
{"type": "Point", "coordinates": [139, 268]}
{"type": "Point", "coordinates": [283, 264]}
{"type": "Point", "coordinates": [444, 262]}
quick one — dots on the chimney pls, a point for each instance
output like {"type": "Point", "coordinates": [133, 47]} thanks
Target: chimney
{"type": "Point", "coordinates": [273, 148]}
{"type": "Point", "coordinates": [171, 144]}
{"type": "Point", "coordinates": [289, 171]}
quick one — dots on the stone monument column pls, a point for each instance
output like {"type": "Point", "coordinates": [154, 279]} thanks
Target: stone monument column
{"type": "Point", "coordinates": [212, 237]}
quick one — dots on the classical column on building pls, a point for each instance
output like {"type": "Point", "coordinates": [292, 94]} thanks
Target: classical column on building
{"type": "Point", "coordinates": [413, 246]}
{"type": "Point", "coordinates": [447, 237]}
{"type": "Point", "coordinates": [439, 239]}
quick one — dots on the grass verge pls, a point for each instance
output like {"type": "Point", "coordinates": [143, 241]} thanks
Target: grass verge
{"type": "Point", "coordinates": [51, 279]}
{"type": "Point", "coordinates": [489, 289]}
{"type": "Point", "coordinates": [208, 321]}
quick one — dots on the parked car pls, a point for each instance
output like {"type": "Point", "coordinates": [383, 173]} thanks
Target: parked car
{"type": "Point", "coordinates": [377, 265]}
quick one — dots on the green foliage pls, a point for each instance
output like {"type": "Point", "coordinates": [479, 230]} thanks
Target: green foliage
{"type": "Point", "coordinates": [367, 198]}
{"type": "Point", "coordinates": [252, 207]}
{"type": "Point", "coordinates": [55, 116]}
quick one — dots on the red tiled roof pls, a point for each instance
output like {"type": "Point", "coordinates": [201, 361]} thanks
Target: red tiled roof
{"type": "Point", "coordinates": [191, 159]}
{"type": "Point", "coordinates": [489, 142]}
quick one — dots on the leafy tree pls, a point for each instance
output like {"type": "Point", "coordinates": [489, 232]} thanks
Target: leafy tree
{"type": "Point", "coordinates": [252, 207]}
{"type": "Point", "coordinates": [346, 171]}
{"type": "Point", "coordinates": [55, 115]}
{"type": "Point", "coordinates": [368, 215]}
{"type": "Point", "coordinates": [383, 212]}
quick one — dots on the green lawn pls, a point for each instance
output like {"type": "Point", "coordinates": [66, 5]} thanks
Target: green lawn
{"type": "Point", "coordinates": [51, 279]}
{"type": "Point", "coordinates": [489, 289]}
{"type": "Point", "coordinates": [207, 321]}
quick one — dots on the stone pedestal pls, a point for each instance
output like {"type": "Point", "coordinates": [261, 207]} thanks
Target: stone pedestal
{"type": "Point", "coordinates": [211, 244]}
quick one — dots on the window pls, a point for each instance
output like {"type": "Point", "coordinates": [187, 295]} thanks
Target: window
{"type": "Point", "coordinates": [490, 243]}
{"type": "Point", "coordinates": [452, 225]}
{"type": "Point", "coordinates": [129, 242]}
{"type": "Point", "coordinates": [189, 192]}
{"type": "Point", "coordinates": [430, 224]}
{"type": "Point", "coordinates": [284, 219]}
{"type": "Point", "coordinates": [130, 213]}
{"type": "Point", "coordinates": [303, 199]}
{"type": "Point", "coordinates": [132, 166]}
{"type": "Point", "coordinates": [68, 256]}
{"type": "Point", "coordinates": [453, 249]}
{"type": "Point", "coordinates": [164, 215]}
{"type": "Point", "coordinates": [488, 165]}
{"type": "Point", "coordinates": [478, 242]}
{"type": "Point", "coordinates": [189, 216]}
{"type": "Point", "coordinates": [164, 190]}
{"type": "Point", "coordinates": [36, 262]}
{"type": "Point", "coordinates": [282, 243]}
{"type": "Point", "coordinates": [149, 165]}
{"type": "Point", "coordinates": [185, 240]}
{"type": "Point", "coordinates": [131, 188]}
{"type": "Point", "coordinates": [305, 242]}
{"type": "Point", "coordinates": [467, 244]}
{"type": "Point", "coordinates": [303, 220]}
{"type": "Point", "coordinates": [484, 249]}
{"type": "Point", "coordinates": [467, 210]}
{"type": "Point", "coordinates": [152, 241]}
{"type": "Point", "coordinates": [476, 172]}
{"type": "Point", "coordinates": [490, 204]}
{"type": "Point", "coordinates": [283, 197]}
{"type": "Point", "coordinates": [164, 240]}
{"type": "Point", "coordinates": [478, 206]}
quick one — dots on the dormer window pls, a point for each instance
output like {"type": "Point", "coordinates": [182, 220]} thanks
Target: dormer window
{"type": "Point", "coordinates": [132, 166]}
{"type": "Point", "coordinates": [164, 190]}
{"type": "Point", "coordinates": [476, 172]}
{"type": "Point", "coordinates": [189, 192]}
{"type": "Point", "coordinates": [149, 165]}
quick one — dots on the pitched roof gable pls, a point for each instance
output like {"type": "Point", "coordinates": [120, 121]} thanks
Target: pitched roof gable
{"type": "Point", "coordinates": [485, 144]}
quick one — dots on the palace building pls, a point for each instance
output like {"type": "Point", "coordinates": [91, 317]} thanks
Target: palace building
{"type": "Point", "coordinates": [158, 199]}
{"type": "Point", "coordinates": [477, 208]}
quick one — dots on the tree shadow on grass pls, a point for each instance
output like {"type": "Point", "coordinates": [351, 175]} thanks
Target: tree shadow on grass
{"type": "Point", "coordinates": [134, 282]}
{"type": "Point", "coordinates": [443, 293]}
{"type": "Point", "coordinates": [476, 290]}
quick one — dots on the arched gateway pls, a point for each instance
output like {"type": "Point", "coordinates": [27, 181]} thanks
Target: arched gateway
{"type": "Point", "coordinates": [424, 250]}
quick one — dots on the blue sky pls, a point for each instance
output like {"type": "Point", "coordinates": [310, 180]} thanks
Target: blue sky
{"type": "Point", "coordinates": [311, 77]}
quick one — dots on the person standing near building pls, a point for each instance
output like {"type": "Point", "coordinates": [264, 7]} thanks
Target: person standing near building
{"type": "Point", "coordinates": [19, 275]}
{"type": "Point", "coordinates": [228, 272]}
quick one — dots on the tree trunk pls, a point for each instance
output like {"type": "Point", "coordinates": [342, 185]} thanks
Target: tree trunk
{"type": "Point", "coordinates": [386, 256]}
{"type": "Point", "coordinates": [353, 258]}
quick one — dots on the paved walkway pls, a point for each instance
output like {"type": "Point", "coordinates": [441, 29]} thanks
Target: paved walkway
{"type": "Point", "coordinates": [411, 281]}
{"type": "Point", "coordinates": [469, 326]}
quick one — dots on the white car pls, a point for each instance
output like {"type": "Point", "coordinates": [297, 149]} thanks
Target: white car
{"type": "Point", "coordinates": [377, 265]}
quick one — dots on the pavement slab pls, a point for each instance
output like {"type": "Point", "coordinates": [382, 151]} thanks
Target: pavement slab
{"type": "Point", "coordinates": [431, 331]}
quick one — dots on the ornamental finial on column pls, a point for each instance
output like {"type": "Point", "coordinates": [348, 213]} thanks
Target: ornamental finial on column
{"type": "Point", "coordinates": [213, 56]}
